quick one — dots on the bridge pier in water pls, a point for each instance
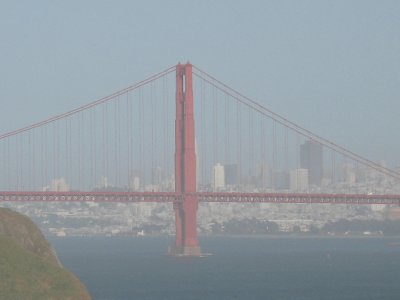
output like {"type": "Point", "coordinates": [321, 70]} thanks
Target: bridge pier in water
{"type": "Point", "coordinates": [186, 241]}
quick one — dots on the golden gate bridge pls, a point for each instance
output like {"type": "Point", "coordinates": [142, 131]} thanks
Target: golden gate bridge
{"type": "Point", "coordinates": [141, 144]}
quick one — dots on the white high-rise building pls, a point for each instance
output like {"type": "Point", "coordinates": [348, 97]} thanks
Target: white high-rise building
{"type": "Point", "coordinates": [103, 182]}
{"type": "Point", "coordinates": [299, 180]}
{"type": "Point", "coordinates": [219, 176]}
{"type": "Point", "coordinates": [134, 183]}
{"type": "Point", "coordinates": [57, 185]}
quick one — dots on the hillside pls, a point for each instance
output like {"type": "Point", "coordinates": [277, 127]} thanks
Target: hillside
{"type": "Point", "coordinates": [29, 268]}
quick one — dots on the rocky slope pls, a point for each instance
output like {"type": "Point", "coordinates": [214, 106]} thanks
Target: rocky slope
{"type": "Point", "coordinates": [29, 267]}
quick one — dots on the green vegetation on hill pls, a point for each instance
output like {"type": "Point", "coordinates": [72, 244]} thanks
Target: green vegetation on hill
{"type": "Point", "coordinates": [25, 275]}
{"type": "Point", "coordinates": [23, 231]}
{"type": "Point", "coordinates": [29, 268]}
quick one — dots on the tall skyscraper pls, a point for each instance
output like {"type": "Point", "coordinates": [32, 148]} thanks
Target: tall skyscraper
{"type": "Point", "coordinates": [219, 176]}
{"type": "Point", "coordinates": [311, 159]}
{"type": "Point", "coordinates": [299, 180]}
{"type": "Point", "coordinates": [263, 176]}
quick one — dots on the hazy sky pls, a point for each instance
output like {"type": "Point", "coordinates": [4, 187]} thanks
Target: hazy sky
{"type": "Point", "coordinates": [330, 66]}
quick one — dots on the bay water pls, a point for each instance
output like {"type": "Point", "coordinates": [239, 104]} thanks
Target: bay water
{"type": "Point", "coordinates": [295, 268]}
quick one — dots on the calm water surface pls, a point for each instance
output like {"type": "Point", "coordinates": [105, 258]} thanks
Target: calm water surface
{"type": "Point", "coordinates": [120, 268]}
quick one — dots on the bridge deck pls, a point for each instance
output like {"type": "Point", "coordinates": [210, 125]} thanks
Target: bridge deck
{"type": "Point", "coordinates": [223, 197]}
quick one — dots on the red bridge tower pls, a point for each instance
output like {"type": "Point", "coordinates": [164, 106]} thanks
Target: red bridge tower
{"type": "Point", "coordinates": [186, 243]}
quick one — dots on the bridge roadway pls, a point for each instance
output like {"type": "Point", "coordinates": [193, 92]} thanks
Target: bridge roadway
{"type": "Point", "coordinates": [221, 197]}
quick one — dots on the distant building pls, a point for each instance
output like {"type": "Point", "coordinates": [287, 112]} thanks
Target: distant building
{"type": "Point", "coordinates": [219, 176]}
{"type": "Point", "coordinates": [311, 159]}
{"type": "Point", "coordinates": [135, 180]}
{"type": "Point", "coordinates": [263, 176]}
{"type": "Point", "coordinates": [134, 183]}
{"type": "Point", "coordinates": [103, 182]}
{"type": "Point", "coordinates": [299, 180]}
{"type": "Point", "coordinates": [378, 207]}
{"type": "Point", "coordinates": [57, 185]}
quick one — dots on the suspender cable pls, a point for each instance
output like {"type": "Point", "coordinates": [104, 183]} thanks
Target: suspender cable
{"type": "Point", "coordinates": [115, 143]}
{"type": "Point", "coordinates": [128, 138]}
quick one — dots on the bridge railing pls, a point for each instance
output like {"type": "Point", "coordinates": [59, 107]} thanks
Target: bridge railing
{"type": "Point", "coordinates": [221, 197]}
